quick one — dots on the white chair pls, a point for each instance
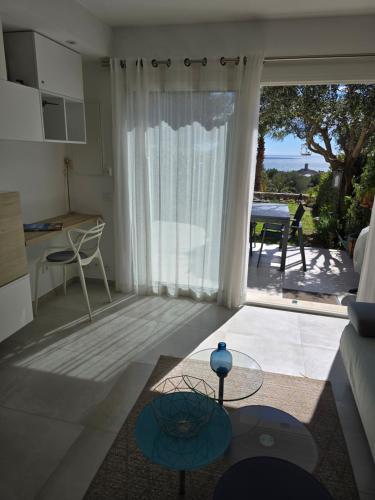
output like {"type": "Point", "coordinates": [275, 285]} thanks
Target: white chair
{"type": "Point", "coordinates": [77, 238]}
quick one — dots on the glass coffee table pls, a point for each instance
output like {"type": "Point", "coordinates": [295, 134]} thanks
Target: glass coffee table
{"type": "Point", "coordinates": [256, 430]}
{"type": "Point", "coordinates": [244, 379]}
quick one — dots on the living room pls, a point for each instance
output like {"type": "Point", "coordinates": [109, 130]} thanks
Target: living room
{"type": "Point", "coordinates": [138, 150]}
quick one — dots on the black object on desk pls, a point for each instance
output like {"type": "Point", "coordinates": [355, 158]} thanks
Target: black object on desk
{"type": "Point", "coordinates": [43, 226]}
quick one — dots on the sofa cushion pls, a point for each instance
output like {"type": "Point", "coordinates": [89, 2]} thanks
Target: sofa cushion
{"type": "Point", "coordinates": [362, 317]}
{"type": "Point", "coordinates": [358, 355]}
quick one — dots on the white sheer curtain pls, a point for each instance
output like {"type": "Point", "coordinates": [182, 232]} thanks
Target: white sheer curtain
{"type": "Point", "coordinates": [184, 147]}
{"type": "Point", "coordinates": [366, 288]}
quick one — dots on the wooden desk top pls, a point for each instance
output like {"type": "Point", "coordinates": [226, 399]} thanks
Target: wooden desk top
{"type": "Point", "coordinates": [69, 221]}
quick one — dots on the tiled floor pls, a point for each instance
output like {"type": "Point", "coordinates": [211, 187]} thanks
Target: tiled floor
{"type": "Point", "coordinates": [64, 393]}
{"type": "Point", "coordinates": [328, 271]}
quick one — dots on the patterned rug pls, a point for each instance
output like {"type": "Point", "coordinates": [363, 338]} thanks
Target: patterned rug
{"type": "Point", "coordinates": [127, 475]}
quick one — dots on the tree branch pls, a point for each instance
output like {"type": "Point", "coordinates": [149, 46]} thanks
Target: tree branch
{"type": "Point", "coordinates": [365, 132]}
{"type": "Point", "coordinates": [327, 142]}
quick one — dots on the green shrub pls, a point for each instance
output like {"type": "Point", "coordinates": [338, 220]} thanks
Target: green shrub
{"type": "Point", "coordinates": [327, 196]}
{"type": "Point", "coordinates": [358, 216]}
{"type": "Point", "coordinates": [327, 226]}
{"type": "Point", "coordinates": [288, 182]}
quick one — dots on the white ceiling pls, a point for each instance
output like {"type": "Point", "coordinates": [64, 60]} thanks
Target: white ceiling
{"type": "Point", "coordinates": [156, 12]}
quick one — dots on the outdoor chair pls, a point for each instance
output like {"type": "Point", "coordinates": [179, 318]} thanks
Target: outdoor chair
{"type": "Point", "coordinates": [252, 241]}
{"type": "Point", "coordinates": [275, 231]}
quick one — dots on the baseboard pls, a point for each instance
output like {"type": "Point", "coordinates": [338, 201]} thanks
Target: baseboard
{"type": "Point", "coordinates": [70, 281]}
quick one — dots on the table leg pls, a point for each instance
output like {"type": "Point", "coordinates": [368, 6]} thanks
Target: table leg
{"type": "Point", "coordinates": [221, 391]}
{"type": "Point", "coordinates": [182, 482]}
{"type": "Point", "coordinates": [285, 245]}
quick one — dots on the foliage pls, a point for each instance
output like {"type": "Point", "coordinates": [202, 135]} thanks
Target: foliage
{"type": "Point", "coordinates": [325, 211]}
{"type": "Point", "coordinates": [326, 195]}
{"type": "Point", "coordinates": [327, 226]}
{"type": "Point", "coordinates": [335, 121]}
{"type": "Point", "coordinates": [288, 182]}
{"type": "Point", "coordinates": [358, 214]}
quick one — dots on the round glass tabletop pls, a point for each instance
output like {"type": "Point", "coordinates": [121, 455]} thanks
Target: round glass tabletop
{"type": "Point", "coordinates": [266, 431]}
{"type": "Point", "coordinates": [244, 379]}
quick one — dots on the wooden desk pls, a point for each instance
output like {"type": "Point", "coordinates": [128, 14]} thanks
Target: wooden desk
{"type": "Point", "coordinates": [69, 222]}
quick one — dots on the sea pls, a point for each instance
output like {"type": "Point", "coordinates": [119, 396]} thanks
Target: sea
{"type": "Point", "coordinates": [289, 163]}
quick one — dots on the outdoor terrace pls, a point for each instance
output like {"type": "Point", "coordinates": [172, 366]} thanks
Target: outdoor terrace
{"type": "Point", "coordinates": [328, 277]}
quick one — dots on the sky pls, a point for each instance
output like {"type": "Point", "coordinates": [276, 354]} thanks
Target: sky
{"type": "Point", "coordinates": [289, 146]}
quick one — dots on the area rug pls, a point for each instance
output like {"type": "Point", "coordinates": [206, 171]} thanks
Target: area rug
{"type": "Point", "coordinates": [127, 475]}
{"type": "Point", "coordinates": [325, 298]}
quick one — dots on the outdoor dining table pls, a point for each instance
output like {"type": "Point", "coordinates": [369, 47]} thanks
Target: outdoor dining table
{"type": "Point", "coordinates": [274, 212]}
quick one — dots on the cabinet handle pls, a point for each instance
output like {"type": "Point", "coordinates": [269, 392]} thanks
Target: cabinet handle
{"type": "Point", "coordinates": [42, 81]}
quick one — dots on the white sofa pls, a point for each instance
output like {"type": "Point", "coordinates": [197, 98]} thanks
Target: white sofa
{"type": "Point", "coordinates": [358, 354]}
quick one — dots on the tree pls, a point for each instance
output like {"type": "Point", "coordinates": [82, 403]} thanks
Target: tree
{"type": "Point", "coordinates": [259, 168]}
{"type": "Point", "coordinates": [335, 121]}
{"type": "Point", "coordinates": [266, 121]}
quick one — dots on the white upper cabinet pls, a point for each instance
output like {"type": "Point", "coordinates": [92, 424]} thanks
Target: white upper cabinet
{"type": "Point", "coordinates": [37, 61]}
{"type": "Point", "coordinates": [59, 69]}
{"type": "Point", "coordinates": [20, 116]}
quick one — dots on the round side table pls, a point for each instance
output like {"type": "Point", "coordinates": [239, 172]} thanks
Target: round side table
{"type": "Point", "coordinates": [266, 431]}
{"type": "Point", "coordinates": [182, 454]}
{"type": "Point", "coordinates": [268, 478]}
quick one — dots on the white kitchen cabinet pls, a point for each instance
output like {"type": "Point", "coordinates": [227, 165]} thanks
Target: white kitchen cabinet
{"type": "Point", "coordinates": [20, 116]}
{"type": "Point", "coordinates": [15, 306]}
{"type": "Point", "coordinates": [42, 63]}
{"type": "Point", "coordinates": [15, 294]}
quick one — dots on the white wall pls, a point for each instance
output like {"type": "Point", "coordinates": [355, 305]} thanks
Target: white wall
{"type": "Point", "coordinates": [94, 193]}
{"type": "Point", "coordinates": [36, 171]}
{"type": "Point", "coordinates": [59, 20]}
{"type": "Point", "coordinates": [293, 37]}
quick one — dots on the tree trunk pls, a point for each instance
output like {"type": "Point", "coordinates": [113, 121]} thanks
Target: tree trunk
{"type": "Point", "coordinates": [259, 164]}
{"type": "Point", "coordinates": [346, 187]}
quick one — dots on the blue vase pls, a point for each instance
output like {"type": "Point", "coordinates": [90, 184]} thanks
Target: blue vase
{"type": "Point", "coordinates": [221, 360]}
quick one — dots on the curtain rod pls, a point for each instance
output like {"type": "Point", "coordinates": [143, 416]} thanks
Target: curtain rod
{"type": "Point", "coordinates": [105, 62]}
{"type": "Point", "coordinates": [315, 57]}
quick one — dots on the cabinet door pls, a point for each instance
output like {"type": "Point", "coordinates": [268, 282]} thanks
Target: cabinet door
{"type": "Point", "coordinates": [13, 263]}
{"type": "Point", "coordinates": [20, 116]}
{"type": "Point", "coordinates": [15, 306]}
{"type": "Point", "coordinates": [59, 69]}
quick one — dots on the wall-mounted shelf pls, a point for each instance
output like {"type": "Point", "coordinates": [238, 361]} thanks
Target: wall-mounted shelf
{"type": "Point", "coordinates": [53, 112]}
{"type": "Point", "coordinates": [63, 119]}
